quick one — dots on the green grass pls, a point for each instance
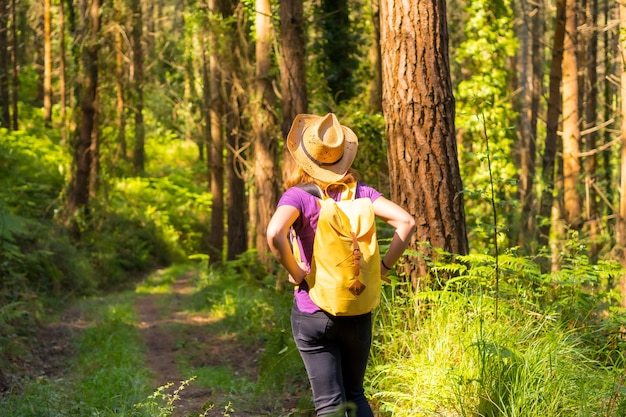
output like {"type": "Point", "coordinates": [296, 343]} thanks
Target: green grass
{"type": "Point", "coordinates": [106, 377]}
{"type": "Point", "coordinates": [445, 354]}
{"type": "Point", "coordinates": [112, 357]}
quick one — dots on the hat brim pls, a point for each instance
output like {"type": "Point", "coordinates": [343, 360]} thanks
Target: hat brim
{"type": "Point", "coordinates": [326, 173]}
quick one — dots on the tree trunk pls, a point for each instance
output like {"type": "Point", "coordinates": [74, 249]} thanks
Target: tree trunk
{"type": "Point", "coordinates": [552, 125]}
{"type": "Point", "coordinates": [206, 116]}
{"type": "Point", "coordinates": [206, 105]}
{"type": "Point", "coordinates": [530, 113]}
{"type": "Point", "coordinates": [78, 197]}
{"type": "Point", "coordinates": [119, 97]}
{"type": "Point", "coordinates": [137, 39]}
{"type": "Point", "coordinates": [236, 196]}
{"type": "Point", "coordinates": [263, 124]}
{"type": "Point", "coordinates": [237, 216]}
{"type": "Point", "coordinates": [611, 43]}
{"type": "Point", "coordinates": [94, 175]}
{"type": "Point", "coordinates": [419, 110]}
{"type": "Point", "coordinates": [62, 72]}
{"type": "Point", "coordinates": [47, 62]}
{"type": "Point", "coordinates": [151, 29]}
{"type": "Point", "coordinates": [38, 60]}
{"type": "Point", "coordinates": [293, 77]}
{"type": "Point", "coordinates": [292, 71]}
{"type": "Point", "coordinates": [14, 66]}
{"type": "Point", "coordinates": [5, 114]}
{"type": "Point", "coordinates": [216, 154]}
{"type": "Point", "coordinates": [522, 78]}
{"type": "Point", "coordinates": [539, 27]}
{"type": "Point", "coordinates": [591, 116]}
{"type": "Point", "coordinates": [189, 91]}
{"type": "Point", "coordinates": [571, 119]}
{"type": "Point", "coordinates": [620, 228]}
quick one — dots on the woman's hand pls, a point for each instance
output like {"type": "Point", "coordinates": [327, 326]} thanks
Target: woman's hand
{"type": "Point", "coordinates": [278, 240]}
{"type": "Point", "coordinates": [302, 273]}
{"type": "Point", "coordinates": [404, 225]}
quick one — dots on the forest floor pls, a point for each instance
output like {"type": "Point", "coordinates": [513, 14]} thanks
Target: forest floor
{"type": "Point", "coordinates": [174, 339]}
{"type": "Point", "coordinates": [191, 338]}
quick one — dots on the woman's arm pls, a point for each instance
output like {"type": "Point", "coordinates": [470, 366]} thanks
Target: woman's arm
{"type": "Point", "coordinates": [404, 225]}
{"type": "Point", "coordinates": [278, 240]}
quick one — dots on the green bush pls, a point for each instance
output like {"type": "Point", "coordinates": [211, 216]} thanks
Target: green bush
{"type": "Point", "coordinates": [37, 256]}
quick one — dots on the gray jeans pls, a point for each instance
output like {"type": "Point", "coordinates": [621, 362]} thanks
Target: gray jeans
{"type": "Point", "coordinates": [335, 351]}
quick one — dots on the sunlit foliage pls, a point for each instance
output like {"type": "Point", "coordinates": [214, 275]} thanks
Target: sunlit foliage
{"type": "Point", "coordinates": [485, 118]}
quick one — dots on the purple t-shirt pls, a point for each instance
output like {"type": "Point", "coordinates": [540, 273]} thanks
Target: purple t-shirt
{"type": "Point", "coordinates": [305, 226]}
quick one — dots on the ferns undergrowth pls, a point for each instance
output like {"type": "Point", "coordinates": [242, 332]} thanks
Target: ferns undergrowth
{"type": "Point", "coordinates": [555, 348]}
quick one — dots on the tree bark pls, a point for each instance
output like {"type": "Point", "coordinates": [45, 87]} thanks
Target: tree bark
{"type": "Point", "coordinates": [206, 103]}
{"type": "Point", "coordinates": [137, 39]}
{"type": "Point", "coordinates": [38, 59]}
{"type": "Point", "coordinates": [206, 116]}
{"type": "Point", "coordinates": [611, 43]}
{"type": "Point", "coordinates": [62, 72]}
{"type": "Point", "coordinates": [189, 91]}
{"type": "Point", "coordinates": [78, 197]}
{"type": "Point", "coordinates": [419, 110]}
{"type": "Point", "coordinates": [150, 25]}
{"type": "Point", "coordinates": [236, 214]}
{"type": "Point", "coordinates": [292, 71]}
{"type": "Point", "coordinates": [620, 228]}
{"type": "Point", "coordinates": [94, 175]}
{"type": "Point", "coordinates": [591, 115]}
{"type": "Point", "coordinates": [533, 90]}
{"type": "Point", "coordinates": [47, 62]}
{"type": "Point", "coordinates": [119, 97]}
{"type": "Point", "coordinates": [552, 125]}
{"type": "Point", "coordinates": [216, 153]}
{"type": "Point", "coordinates": [571, 120]}
{"type": "Point", "coordinates": [236, 196]}
{"type": "Point", "coordinates": [264, 123]}
{"type": "Point", "coordinates": [14, 66]}
{"type": "Point", "coordinates": [5, 114]}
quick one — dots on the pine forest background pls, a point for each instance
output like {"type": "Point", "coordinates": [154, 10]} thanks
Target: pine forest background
{"type": "Point", "coordinates": [140, 134]}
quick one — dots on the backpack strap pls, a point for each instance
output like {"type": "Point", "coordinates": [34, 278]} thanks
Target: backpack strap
{"type": "Point", "coordinates": [349, 192]}
{"type": "Point", "coordinates": [311, 189]}
{"type": "Point", "coordinates": [294, 240]}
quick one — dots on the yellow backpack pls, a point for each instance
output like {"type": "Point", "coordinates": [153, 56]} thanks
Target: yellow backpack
{"type": "Point", "coordinates": [345, 269]}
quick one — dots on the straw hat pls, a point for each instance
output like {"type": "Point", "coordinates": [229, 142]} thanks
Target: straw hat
{"type": "Point", "coordinates": [322, 146]}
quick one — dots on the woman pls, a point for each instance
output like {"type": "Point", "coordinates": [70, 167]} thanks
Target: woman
{"type": "Point", "coordinates": [334, 349]}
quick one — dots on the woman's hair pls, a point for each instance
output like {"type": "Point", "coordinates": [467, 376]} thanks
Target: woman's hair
{"type": "Point", "coordinates": [299, 176]}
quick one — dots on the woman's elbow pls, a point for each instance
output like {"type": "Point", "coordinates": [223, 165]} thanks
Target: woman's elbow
{"type": "Point", "coordinates": [271, 235]}
{"type": "Point", "coordinates": [408, 224]}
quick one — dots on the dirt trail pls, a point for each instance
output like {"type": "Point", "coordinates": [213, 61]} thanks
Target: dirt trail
{"type": "Point", "coordinates": [174, 338]}
{"type": "Point", "coordinates": [170, 333]}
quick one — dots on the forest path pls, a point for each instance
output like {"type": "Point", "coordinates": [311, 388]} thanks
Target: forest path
{"type": "Point", "coordinates": [197, 363]}
{"type": "Point", "coordinates": [177, 338]}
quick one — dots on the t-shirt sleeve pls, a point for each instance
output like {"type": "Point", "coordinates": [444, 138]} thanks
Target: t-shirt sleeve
{"type": "Point", "coordinates": [367, 191]}
{"type": "Point", "coordinates": [291, 197]}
